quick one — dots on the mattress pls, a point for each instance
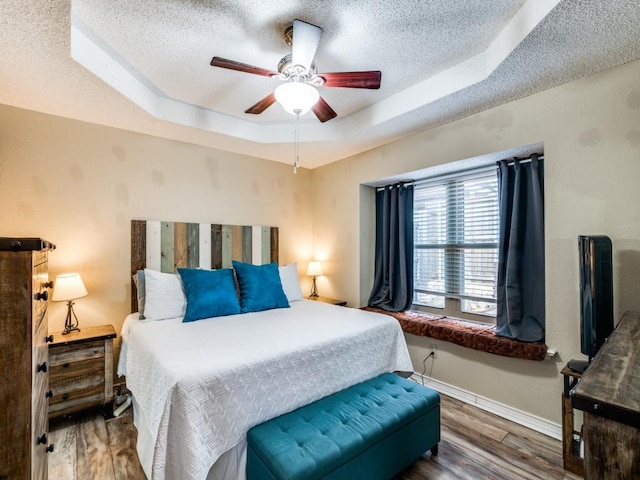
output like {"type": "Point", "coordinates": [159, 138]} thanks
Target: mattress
{"type": "Point", "coordinates": [199, 386]}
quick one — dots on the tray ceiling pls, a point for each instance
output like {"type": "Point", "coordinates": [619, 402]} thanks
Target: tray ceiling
{"type": "Point", "coordinates": [143, 65]}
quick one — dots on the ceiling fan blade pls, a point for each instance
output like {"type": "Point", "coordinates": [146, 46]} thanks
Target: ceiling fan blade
{"type": "Point", "coordinates": [306, 38]}
{"type": "Point", "coordinates": [352, 79]}
{"type": "Point", "coordinates": [262, 105]}
{"type": "Point", "coordinates": [323, 111]}
{"type": "Point", "coordinates": [240, 67]}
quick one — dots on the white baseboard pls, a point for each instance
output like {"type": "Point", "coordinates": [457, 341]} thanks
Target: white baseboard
{"type": "Point", "coordinates": [528, 420]}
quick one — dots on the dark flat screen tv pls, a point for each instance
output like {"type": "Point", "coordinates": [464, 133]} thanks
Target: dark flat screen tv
{"type": "Point", "coordinates": [596, 294]}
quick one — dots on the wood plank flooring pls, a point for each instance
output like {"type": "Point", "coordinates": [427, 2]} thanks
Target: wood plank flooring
{"type": "Point", "coordinates": [475, 445]}
{"type": "Point", "coordinates": [90, 447]}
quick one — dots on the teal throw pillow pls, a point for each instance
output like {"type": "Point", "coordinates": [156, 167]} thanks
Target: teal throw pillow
{"type": "Point", "coordinates": [210, 293]}
{"type": "Point", "coordinates": [260, 287]}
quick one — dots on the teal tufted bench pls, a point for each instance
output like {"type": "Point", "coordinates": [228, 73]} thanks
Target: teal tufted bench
{"type": "Point", "coordinates": [372, 430]}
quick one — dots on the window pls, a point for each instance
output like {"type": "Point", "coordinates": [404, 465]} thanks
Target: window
{"type": "Point", "coordinates": [456, 244]}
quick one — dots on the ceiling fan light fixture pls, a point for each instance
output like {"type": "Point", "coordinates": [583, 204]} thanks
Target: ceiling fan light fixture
{"type": "Point", "coordinates": [296, 98]}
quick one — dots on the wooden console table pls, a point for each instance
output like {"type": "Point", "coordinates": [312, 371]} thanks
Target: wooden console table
{"type": "Point", "coordinates": [571, 437]}
{"type": "Point", "coordinates": [609, 395]}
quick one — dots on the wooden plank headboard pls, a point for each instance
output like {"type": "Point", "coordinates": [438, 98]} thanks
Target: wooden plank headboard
{"type": "Point", "coordinates": [165, 246]}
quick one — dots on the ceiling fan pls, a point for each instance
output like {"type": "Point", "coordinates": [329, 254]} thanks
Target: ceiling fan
{"type": "Point", "coordinates": [298, 94]}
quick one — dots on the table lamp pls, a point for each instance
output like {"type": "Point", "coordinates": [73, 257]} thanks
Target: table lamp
{"type": "Point", "coordinates": [69, 287]}
{"type": "Point", "coordinates": [314, 269]}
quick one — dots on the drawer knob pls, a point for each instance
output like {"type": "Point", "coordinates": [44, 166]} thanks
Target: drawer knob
{"type": "Point", "coordinates": [65, 396]}
{"type": "Point", "coordinates": [43, 439]}
{"type": "Point", "coordinates": [65, 365]}
{"type": "Point", "coordinates": [48, 338]}
{"type": "Point", "coordinates": [43, 367]}
{"type": "Point", "coordinates": [48, 284]}
{"type": "Point", "coordinates": [42, 296]}
{"type": "Point", "coordinates": [49, 394]}
{"type": "Point", "coordinates": [49, 449]}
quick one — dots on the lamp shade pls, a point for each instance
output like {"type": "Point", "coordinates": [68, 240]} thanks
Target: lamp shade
{"type": "Point", "coordinates": [68, 286]}
{"type": "Point", "coordinates": [314, 269]}
{"type": "Point", "coordinates": [297, 98]}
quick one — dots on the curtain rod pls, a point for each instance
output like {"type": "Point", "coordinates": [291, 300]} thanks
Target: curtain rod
{"type": "Point", "coordinates": [408, 183]}
{"type": "Point", "coordinates": [509, 161]}
{"type": "Point", "coordinates": [521, 160]}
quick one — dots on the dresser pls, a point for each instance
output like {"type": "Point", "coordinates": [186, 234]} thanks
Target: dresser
{"type": "Point", "coordinates": [24, 392]}
{"type": "Point", "coordinates": [81, 370]}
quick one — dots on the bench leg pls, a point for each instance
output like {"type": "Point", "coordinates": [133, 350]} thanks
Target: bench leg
{"type": "Point", "coordinates": [434, 449]}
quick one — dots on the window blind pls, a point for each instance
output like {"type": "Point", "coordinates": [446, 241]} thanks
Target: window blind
{"type": "Point", "coordinates": [456, 235]}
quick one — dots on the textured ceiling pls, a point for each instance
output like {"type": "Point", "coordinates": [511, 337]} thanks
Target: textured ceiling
{"type": "Point", "coordinates": [143, 65]}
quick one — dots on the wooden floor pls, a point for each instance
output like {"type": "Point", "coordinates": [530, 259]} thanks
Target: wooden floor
{"type": "Point", "coordinates": [475, 445]}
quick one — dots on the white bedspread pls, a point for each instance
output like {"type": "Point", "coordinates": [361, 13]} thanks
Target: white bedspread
{"type": "Point", "coordinates": [202, 385]}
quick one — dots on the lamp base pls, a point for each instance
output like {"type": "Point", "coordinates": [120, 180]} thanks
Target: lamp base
{"type": "Point", "coordinates": [71, 322]}
{"type": "Point", "coordinates": [68, 330]}
{"type": "Point", "coordinates": [314, 288]}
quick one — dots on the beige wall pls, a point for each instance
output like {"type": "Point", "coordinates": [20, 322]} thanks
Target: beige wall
{"type": "Point", "coordinates": [79, 185]}
{"type": "Point", "coordinates": [591, 134]}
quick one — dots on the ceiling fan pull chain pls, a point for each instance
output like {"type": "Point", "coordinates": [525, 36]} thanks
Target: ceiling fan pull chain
{"type": "Point", "coordinates": [296, 163]}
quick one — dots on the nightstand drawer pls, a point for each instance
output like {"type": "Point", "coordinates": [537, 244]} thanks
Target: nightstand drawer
{"type": "Point", "coordinates": [67, 354]}
{"type": "Point", "coordinates": [80, 397]}
{"type": "Point", "coordinates": [76, 387]}
{"type": "Point", "coordinates": [65, 371]}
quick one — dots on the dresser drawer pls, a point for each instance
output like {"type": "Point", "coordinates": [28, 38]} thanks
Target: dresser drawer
{"type": "Point", "coordinates": [40, 366]}
{"type": "Point", "coordinates": [39, 408]}
{"type": "Point", "coordinates": [41, 293]}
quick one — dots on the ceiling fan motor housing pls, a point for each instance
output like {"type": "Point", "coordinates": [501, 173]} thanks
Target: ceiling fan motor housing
{"type": "Point", "coordinates": [288, 69]}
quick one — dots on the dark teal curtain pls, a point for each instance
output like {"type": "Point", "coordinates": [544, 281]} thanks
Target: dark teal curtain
{"type": "Point", "coordinates": [393, 278]}
{"type": "Point", "coordinates": [520, 284]}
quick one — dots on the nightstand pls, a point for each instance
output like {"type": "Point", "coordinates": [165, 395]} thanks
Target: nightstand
{"type": "Point", "coordinates": [332, 301]}
{"type": "Point", "coordinates": [81, 370]}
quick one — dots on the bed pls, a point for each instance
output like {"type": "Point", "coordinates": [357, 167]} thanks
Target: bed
{"type": "Point", "coordinates": [198, 386]}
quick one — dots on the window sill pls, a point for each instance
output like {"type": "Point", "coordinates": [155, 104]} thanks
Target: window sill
{"type": "Point", "coordinates": [466, 334]}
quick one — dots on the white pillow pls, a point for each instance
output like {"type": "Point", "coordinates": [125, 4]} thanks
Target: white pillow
{"type": "Point", "coordinates": [164, 295]}
{"type": "Point", "coordinates": [290, 282]}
